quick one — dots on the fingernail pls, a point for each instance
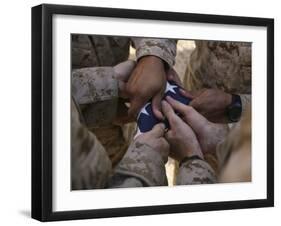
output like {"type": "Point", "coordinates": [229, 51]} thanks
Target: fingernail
{"type": "Point", "coordinates": [162, 125]}
{"type": "Point", "coordinates": [169, 98]}
{"type": "Point", "coordinates": [182, 90]}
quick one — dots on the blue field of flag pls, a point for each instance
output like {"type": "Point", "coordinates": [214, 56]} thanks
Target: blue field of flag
{"type": "Point", "coordinates": [146, 119]}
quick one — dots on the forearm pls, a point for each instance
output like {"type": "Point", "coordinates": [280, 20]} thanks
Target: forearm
{"type": "Point", "coordinates": [90, 165]}
{"type": "Point", "coordinates": [96, 91]}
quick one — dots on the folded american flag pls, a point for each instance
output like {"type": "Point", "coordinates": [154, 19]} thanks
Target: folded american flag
{"type": "Point", "coordinates": [147, 120]}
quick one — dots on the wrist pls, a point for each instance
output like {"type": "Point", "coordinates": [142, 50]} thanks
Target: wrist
{"type": "Point", "coordinates": [234, 109]}
{"type": "Point", "coordinates": [152, 59]}
{"type": "Point", "coordinates": [194, 151]}
{"type": "Point", "coordinates": [193, 157]}
{"type": "Point", "coordinates": [228, 99]}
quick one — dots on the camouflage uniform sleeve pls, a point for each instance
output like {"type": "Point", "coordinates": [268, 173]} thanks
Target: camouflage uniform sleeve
{"type": "Point", "coordinates": [245, 100]}
{"type": "Point", "coordinates": [95, 89]}
{"type": "Point", "coordinates": [140, 167]}
{"type": "Point", "coordinates": [195, 171]}
{"type": "Point", "coordinates": [90, 165]}
{"type": "Point", "coordinates": [163, 48]}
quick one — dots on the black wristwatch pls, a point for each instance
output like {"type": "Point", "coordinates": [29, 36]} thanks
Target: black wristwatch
{"type": "Point", "coordinates": [234, 110]}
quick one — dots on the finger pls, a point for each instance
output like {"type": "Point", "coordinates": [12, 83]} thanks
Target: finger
{"type": "Point", "coordinates": [186, 94]}
{"type": "Point", "coordinates": [122, 116]}
{"type": "Point", "coordinates": [192, 94]}
{"type": "Point", "coordinates": [198, 100]}
{"type": "Point", "coordinates": [170, 114]}
{"type": "Point", "coordinates": [123, 70]}
{"type": "Point", "coordinates": [122, 90]}
{"type": "Point", "coordinates": [196, 103]}
{"type": "Point", "coordinates": [178, 106]}
{"type": "Point", "coordinates": [156, 106]}
{"type": "Point", "coordinates": [197, 93]}
{"type": "Point", "coordinates": [172, 75]}
{"type": "Point", "coordinates": [191, 116]}
{"type": "Point", "coordinates": [158, 130]}
{"type": "Point", "coordinates": [164, 143]}
{"type": "Point", "coordinates": [169, 135]}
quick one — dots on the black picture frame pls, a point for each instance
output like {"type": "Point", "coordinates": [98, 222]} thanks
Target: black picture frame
{"type": "Point", "coordinates": [42, 111]}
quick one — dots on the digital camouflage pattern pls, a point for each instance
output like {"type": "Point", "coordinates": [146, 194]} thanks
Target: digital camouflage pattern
{"type": "Point", "coordinates": [96, 90]}
{"type": "Point", "coordinates": [90, 165]}
{"type": "Point", "coordinates": [90, 51]}
{"type": "Point", "coordinates": [165, 49]}
{"type": "Point", "coordinates": [141, 166]}
{"type": "Point", "coordinates": [223, 65]}
{"type": "Point", "coordinates": [95, 50]}
{"type": "Point", "coordinates": [195, 171]}
{"type": "Point", "coordinates": [234, 151]}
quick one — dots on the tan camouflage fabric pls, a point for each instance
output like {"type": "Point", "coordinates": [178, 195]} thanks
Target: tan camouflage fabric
{"type": "Point", "coordinates": [95, 50]}
{"type": "Point", "coordinates": [142, 166]}
{"type": "Point", "coordinates": [165, 49]}
{"type": "Point", "coordinates": [90, 51]}
{"type": "Point", "coordinates": [195, 171]}
{"type": "Point", "coordinates": [223, 65]}
{"type": "Point", "coordinates": [233, 154]}
{"type": "Point", "coordinates": [90, 165]}
{"type": "Point", "coordinates": [96, 90]}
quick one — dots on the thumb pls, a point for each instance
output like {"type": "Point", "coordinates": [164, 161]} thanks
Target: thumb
{"type": "Point", "coordinates": [186, 93]}
{"type": "Point", "coordinates": [122, 90]}
{"type": "Point", "coordinates": [156, 106]}
{"type": "Point", "coordinates": [170, 114]}
{"type": "Point", "coordinates": [172, 75]}
{"type": "Point", "coordinates": [157, 131]}
{"type": "Point", "coordinates": [190, 115]}
{"type": "Point", "coordinates": [123, 70]}
{"type": "Point", "coordinates": [136, 105]}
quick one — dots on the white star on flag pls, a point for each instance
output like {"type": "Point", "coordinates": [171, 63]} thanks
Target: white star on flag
{"type": "Point", "coordinates": [138, 133]}
{"type": "Point", "coordinates": [170, 87]}
{"type": "Point", "coordinates": [143, 110]}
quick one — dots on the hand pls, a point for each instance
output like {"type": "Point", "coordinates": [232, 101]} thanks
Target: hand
{"type": "Point", "coordinates": [172, 75]}
{"type": "Point", "coordinates": [122, 116]}
{"type": "Point", "coordinates": [182, 140]}
{"type": "Point", "coordinates": [122, 73]}
{"type": "Point", "coordinates": [156, 141]}
{"type": "Point", "coordinates": [211, 103]}
{"type": "Point", "coordinates": [209, 134]}
{"type": "Point", "coordinates": [147, 81]}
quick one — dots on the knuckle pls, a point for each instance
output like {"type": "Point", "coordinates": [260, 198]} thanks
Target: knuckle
{"type": "Point", "coordinates": [169, 135]}
{"type": "Point", "coordinates": [188, 109]}
{"type": "Point", "coordinates": [163, 142]}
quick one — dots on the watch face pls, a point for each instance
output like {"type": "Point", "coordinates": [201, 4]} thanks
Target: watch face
{"type": "Point", "coordinates": [234, 113]}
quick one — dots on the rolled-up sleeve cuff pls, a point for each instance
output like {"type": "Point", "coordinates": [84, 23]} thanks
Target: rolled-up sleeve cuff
{"type": "Point", "coordinates": [196, 171]}
{"type": "Point", "coordinates": [90, 85]}
{"type": "Point", "coordinates": [144, 163]}
{"type": "Point", "coordinates": [162, 48]}
{"type": "Point", "coordinates": [245, 101]}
